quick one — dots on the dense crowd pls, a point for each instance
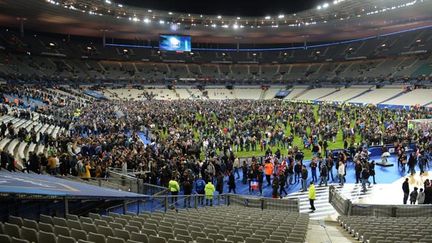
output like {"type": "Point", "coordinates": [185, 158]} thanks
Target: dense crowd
{"type": "Point", "coordinates": [203, 139]}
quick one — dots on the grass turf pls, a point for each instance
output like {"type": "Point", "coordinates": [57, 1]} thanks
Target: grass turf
{"type": "Point", "coordinates": [298, 141]}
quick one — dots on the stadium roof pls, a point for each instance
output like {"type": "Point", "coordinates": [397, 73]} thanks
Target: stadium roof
{"type": "Point", "coordinates": [338, 20]}
{"type": "Point", "coordinates": [226, 7]}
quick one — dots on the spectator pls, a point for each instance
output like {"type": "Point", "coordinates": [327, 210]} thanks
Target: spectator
{"type": "Point", "coordinates": [323, 174]}
{"type": "Point", "coordinates": [372, 170]}
{"type": "Point", "coordinates": [413, 196]}
{"type": "Point", "coordinates": [275, 186]}
{"type": "Point", "coordinates": [406, 191]}
{"type": "Point", "coordinates": [187, 190]}
{"type": "Point", "coordinates": [341, 173]}
{"type": "Point", "coordinates": [282, 182]}
{"type": "Point", "coordinates": [304, 176]}
{"type": "Point", "coordinates": [268, 168]}
{"type": "Point", "coordinates": [236, 166]}
{"type": "Point", "coordinates": [314, 166]}
{"type": "Point", "coordinates": [421, 196]}
{"type": "Point", "coordinates": [231, 183]}
{"type": "Point", "coordinates": [219, 183]}
{"type": "Point", "coordinates": [199, 187]}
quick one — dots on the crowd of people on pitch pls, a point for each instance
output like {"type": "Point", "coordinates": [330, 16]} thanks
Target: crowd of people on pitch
{"type": "Point", "coordinates": [192, 139]}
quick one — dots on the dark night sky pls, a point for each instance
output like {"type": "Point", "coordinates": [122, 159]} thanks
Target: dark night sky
{"type": "Point", "coordinates": [227, 7]}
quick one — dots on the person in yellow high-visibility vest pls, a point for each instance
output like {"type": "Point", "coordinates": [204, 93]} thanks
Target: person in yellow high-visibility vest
{"type": "Point", "coordinates": [312, 196]}
{"type": "Point", "coordinates": [209, 191]}
{"type": "Point", "coordinates": [174, 188]}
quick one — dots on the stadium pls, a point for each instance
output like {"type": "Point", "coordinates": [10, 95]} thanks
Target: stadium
{"type": "Point", "coordinates": [127, 121]}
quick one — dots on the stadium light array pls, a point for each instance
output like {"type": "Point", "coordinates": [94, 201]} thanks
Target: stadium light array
{"type": "Point", "coordinates": [119, 11]}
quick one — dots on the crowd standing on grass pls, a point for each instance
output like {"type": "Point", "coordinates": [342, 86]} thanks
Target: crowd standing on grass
{"type": "Point", "coordinates": [202, 140]}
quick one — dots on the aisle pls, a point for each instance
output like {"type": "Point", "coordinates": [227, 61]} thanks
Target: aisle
{"type": "Point", "coordinates": [322, 205]}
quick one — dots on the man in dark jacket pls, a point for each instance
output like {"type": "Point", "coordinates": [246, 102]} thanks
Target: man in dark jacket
{"type": "Point", "coordinates": [187, 190]}
{"type": "Point", "coordinates": [323, 174]}
{"type": "Point", "coordinates": [282, 182]}
{"type": "Point", "coordinates": [365, 178]}
{"type": "Point", "coordinates": [304, 176]}
{"type": "Point", "coordinates": [405, 189]}
{"type": "Point", "coordinates": [219, 183]}
{"type": "Point", "coordinates": [231, 183]}
{"type": "Point", "coordinates": [297, 171]}
{"type": "Point", "coordinates": [358, 170]}
{"type": "Point", "coordinates": [412, 161]}
{"type": "Point", "coordinates": [275, 186]}
{"type": "Point", "coordinates": [428, 195]}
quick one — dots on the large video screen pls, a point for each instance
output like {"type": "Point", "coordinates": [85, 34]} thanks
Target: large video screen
{"type": "Point", "coordinates": [174, 43]}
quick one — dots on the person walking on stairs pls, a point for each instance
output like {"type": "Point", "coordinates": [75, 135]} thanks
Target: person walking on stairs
{"type": "Point", "coordinates": [312, 196]}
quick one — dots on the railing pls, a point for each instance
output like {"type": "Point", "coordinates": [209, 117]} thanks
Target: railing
{"type": "Point", "coordinates": [170, 202]}
{"type": "Point", "coordinates": [346, 208]}
{"type": "Point", "coordinates": [341, 204]}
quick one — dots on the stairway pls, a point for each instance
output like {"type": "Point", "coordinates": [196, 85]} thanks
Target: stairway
{"type": "Point", "coordinates": [322, 205]}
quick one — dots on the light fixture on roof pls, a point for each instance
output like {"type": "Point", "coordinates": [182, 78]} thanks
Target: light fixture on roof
{"type": "Point", "coordinates": [219, 17]}
{"type": "Point", "coordinates": [149, 10]}
{"type": "Point", "coordinates": [418, 41]}
{"type": "Point", "coordinates": [146, 20]}
{"type": "Point", "coordinates": [213, 25]}
{"type": "Point", "coordinates": [223, 54]}
{"type": "Point", "coordinates": [235, 26]}
{"type": "Point", "coordinates": [267, 17]}
{"type": "Point", "coordinates": [281, 16]}
{"type": "Point", "coordinates": [254, 54]}
{"type": "Point", "coordinates": [51, 44]}
{"type": "Point", "coordinates": [319, 7]}
{"type": "Point", "coordinates": [325, 5]}
{"type": "Point", "coordinates": [384, 45]}
{"type": "Point", "coordinates": [238, 18]}
{"type": "Point", "coordinates": [108, 1]}
{"type": "Point", "coordinates": [170, 13]}
{"type": "Point", "coordinates": [161, 21]}
{"type": "Point", "coordinates": [120, 5]}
